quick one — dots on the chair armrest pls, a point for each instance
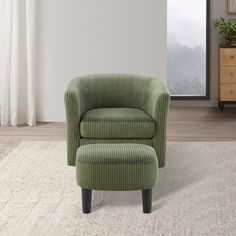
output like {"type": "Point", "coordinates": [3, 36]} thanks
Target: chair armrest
{"type": "Point", "coordinates": [73, 116]}
{"type": "Point", "coordinates": [158, 106]}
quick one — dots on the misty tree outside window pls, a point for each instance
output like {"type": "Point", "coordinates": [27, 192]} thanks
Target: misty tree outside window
{"type": "Point", "coordinates": [186, 74]}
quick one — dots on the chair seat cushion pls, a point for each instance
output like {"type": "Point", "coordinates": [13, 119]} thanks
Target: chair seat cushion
{"type": "Point", "coordinates": [116, 167]}
{"type": "Point", "coordinates": [117, 123]}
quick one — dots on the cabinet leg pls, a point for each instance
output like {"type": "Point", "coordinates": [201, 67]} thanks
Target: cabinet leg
{"type": "Point", "coordinates": [222, 106]}
{"type": "Point", "coordinates": [86, 200]}
{"type": "Point", "coordinates": [147, 200]}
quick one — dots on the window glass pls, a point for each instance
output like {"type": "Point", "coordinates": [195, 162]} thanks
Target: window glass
{"type": "Point", "coordinates": [187, 47]}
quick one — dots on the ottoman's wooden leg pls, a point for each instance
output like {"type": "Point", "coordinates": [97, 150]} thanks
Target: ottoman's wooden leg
{"type": "Point", "coordinates": [147, 200]}
{"type": "Point", "coordinates": [86, 200]}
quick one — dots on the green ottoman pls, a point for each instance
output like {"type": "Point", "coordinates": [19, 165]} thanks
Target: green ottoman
{"type": "Point", "coordinates": [116, 167]}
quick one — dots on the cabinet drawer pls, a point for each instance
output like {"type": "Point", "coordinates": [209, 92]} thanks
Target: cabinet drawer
{"type": "Point", "coordinates": [227, 56]}
{"type": "Point", "coordinates": [228, 74]}
{"type": "Point", "coordinates": [228, 92]}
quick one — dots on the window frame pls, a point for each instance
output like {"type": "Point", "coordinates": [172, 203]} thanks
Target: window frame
{"type": "Point", "coordinates": [208, 67]}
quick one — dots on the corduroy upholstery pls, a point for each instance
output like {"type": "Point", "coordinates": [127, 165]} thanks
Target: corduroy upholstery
{"type": "Point", "coordinates": [116, 167]}
{"type": "Point", "coordinates": [116, 91]}
{"type": "Point", "coordinates": [85, 141]}
{"type": "Point", "coordinates": [119, 123]}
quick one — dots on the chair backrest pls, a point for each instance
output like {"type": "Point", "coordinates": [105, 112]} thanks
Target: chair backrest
{"type": "Point", "coordinates": [114, 90]}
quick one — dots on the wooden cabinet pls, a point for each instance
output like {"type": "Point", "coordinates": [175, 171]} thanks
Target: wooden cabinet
{"type": "Point", "coordinates": [227, 75]}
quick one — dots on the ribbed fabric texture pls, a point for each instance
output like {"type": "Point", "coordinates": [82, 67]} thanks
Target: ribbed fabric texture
{"type": "Point", "coordinates": [116, 167]}
{"type": "Point", "coordinates": [117, 123]}
{"type": "Point", "coordinates": [85, 141]}
{"type": "Point", "coordinates": [116, 91]}
{"type": "Point", "coordinates": [160, 113]}
{"type": "Point", "coordinates": [72, 117]}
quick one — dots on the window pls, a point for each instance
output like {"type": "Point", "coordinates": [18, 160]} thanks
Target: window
{"type": "Point", "coordinates": [188, 52]}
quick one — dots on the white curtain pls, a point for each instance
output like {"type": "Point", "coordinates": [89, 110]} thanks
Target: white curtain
{"type": "Point", "coordinates": [17, 62]}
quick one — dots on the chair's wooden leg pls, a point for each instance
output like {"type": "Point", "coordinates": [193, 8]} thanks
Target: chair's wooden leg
{"type": "Point", "coordinates": [86, 200]}
{"type": "Point", "coordinates": [147, 200]}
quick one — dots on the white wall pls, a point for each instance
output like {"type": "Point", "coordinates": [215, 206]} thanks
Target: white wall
{"type": "Point", "coordinates": [86, 36]}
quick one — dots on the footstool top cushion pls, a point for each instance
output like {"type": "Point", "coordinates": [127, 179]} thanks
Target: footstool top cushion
{"type": "Point", "coordinates": [116, 153]}
{"type": "Point", "coordinates": [116, 167]}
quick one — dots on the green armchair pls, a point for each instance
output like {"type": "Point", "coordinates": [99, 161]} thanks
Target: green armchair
{"type": "Point", "coordinates": [116, 108]}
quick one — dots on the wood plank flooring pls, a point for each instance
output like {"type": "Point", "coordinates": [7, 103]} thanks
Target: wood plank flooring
{"type": "Point", "coordinates": [184, 124]}
{"type": "Point", "coordinates": [202, 124]}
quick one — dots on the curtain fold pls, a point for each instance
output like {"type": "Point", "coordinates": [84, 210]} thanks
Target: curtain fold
{"type": "Point", "coordinates": [18, 62]}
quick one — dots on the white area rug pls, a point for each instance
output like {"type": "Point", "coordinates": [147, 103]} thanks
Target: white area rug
{"type": "Point", "coordinates": [196, 195]}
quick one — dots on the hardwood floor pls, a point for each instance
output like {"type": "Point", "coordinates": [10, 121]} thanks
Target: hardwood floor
{"type": "Point", "coordinates": [202, 124]}
{"type": "Point", "coordinates": [184, 124]}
